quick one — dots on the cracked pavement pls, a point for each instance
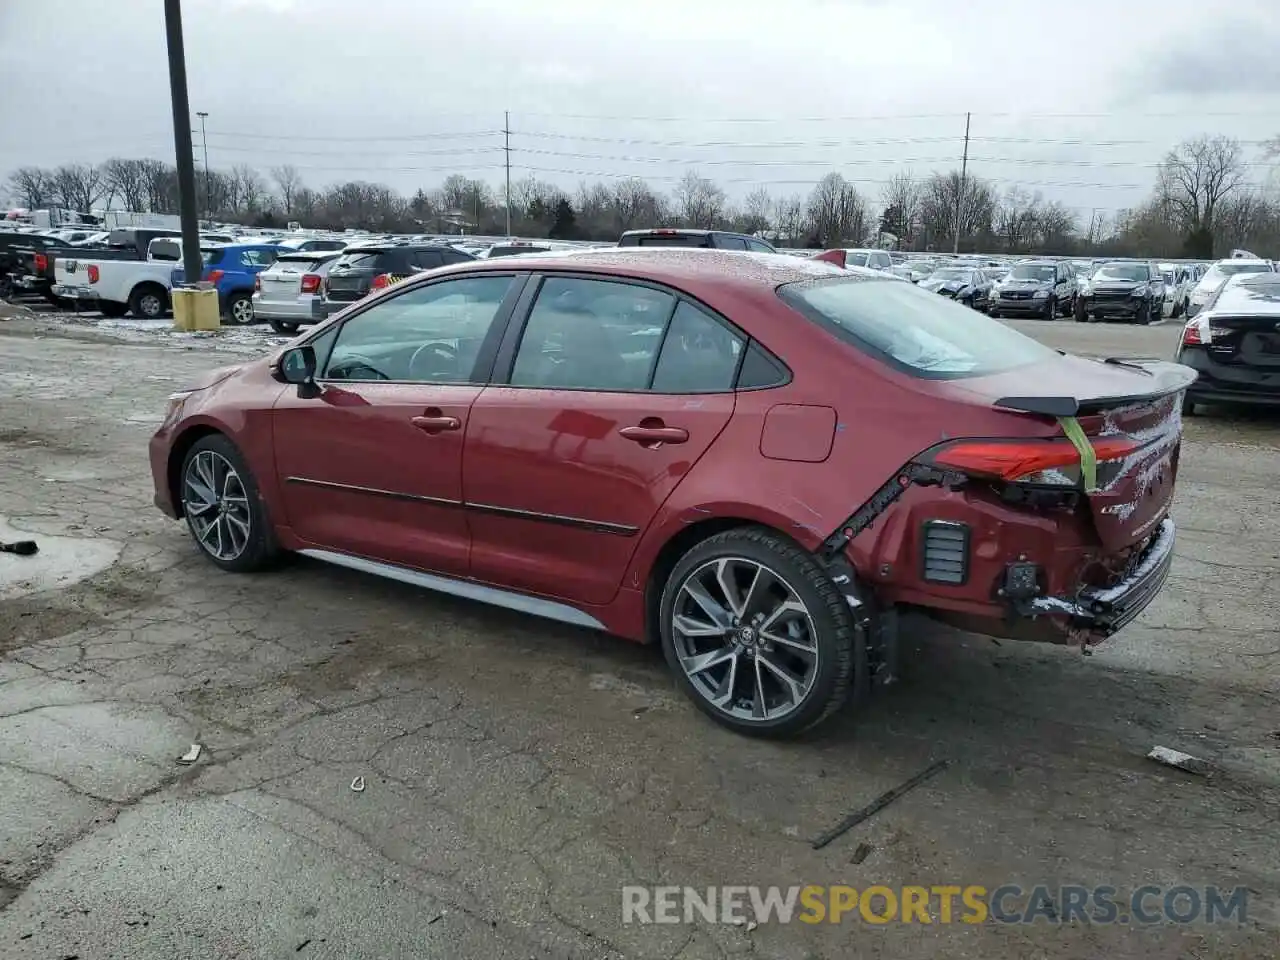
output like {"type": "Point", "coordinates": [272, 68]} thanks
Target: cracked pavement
{"type": "Point", "coordinates": [519, 772]}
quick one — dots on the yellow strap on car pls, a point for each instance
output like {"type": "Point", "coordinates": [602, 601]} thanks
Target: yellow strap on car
{"type": "Point", "coordinates": [1088, 458]}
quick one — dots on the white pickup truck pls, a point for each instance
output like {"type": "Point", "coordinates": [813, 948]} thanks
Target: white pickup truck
{"type": "Point", "coordinates": [140, 287]}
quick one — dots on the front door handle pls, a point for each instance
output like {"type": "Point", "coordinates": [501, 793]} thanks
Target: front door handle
{"type": "Point", "coordinates": [654, 437]}
{"type": "Point", "coordinates": [436, 422]}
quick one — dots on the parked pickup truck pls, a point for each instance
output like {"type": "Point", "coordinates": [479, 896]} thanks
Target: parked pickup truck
{"type": "Point", "coordinates": [140, 287]}
{"type": "Point", "coordinates": [233, 269]}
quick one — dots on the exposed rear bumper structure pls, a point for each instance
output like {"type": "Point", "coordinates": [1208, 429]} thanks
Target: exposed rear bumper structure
{"type": "Point", "coordinates": [1107, 610]}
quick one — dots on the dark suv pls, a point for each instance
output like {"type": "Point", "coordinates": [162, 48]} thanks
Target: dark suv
{"type": "Point", "coordinates": [716, 239]}
{"type": "Point", "coordinates": [1131, 290]}
{"type": "Point", "coordinates": [1036, 288]}
{"type": "Point", "coordinates": [361, 270]}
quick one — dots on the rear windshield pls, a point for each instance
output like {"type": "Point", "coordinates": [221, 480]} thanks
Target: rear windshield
{"type": "Point", "coordinates": [165, 250]}
{"type": "Point", "coordinates": [512, 251]}
{"type": "Point", "coordinates": [1230, 269]}
{"type": "Point", "coordinates": [293, 261]}
{"type": "Point", "coordinates": [912, 329]}
{"type": "Point", "coordinates": [668, 240]}
{"type": "Point", "coordinates": [367, 259]}
{"type": "Point", "coordinates": [855, 259]}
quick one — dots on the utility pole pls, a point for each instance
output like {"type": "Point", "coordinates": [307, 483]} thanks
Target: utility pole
{"type": "Point", "coordinates": [191, 263]}
{"type": "Point", "coordinates": [204, 145]}
{"type": "Point", "coordinates": [506, 132]}
{"type": "Point", "coordinates": [964, 171]}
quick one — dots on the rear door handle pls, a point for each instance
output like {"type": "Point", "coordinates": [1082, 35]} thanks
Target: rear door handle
{"type": "Point", "coordinates": [435, 422]}
{"type": "Point", "coordinates": [654, 436]}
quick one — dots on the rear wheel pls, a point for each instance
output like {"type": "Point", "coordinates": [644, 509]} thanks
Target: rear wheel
{"type": "Point", "coordinates": [223, 508]}
{"type": "Point", "coordinates": [283, 326]}
{"type": "Point", "coordinates": [148, 301]}
{"type": "Point", "coordinates": [759, 636]}
{"type": "Point", "coordinates": [240, 308]}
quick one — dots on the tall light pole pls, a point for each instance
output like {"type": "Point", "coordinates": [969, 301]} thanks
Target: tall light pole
{"type": "Point", "coordinates": [204, 146]}
{"type": "Point", "coordinates": [191, 263]}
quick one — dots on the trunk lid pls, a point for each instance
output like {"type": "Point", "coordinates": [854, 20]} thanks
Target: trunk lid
{"type": "Point", "coordinates": [1131, 412]}
{"type": "Point", "coordinates": [1251, 340]}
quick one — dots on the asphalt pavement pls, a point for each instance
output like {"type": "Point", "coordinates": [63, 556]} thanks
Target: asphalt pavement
{"type": "Point", "coordinates": [517, 774]}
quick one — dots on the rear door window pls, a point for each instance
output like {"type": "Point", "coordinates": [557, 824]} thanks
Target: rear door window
{"type": "Point", "coordinates": [911, 329]}
{"type": "Point", "coordinates": [699, 354]}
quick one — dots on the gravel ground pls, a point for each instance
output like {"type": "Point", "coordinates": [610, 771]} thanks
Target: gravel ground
{"type": "Point", "coordinates": [518, 773]}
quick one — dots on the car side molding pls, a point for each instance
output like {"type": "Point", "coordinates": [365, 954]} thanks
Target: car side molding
{"type": "Point", "coordinates": [469, 589]}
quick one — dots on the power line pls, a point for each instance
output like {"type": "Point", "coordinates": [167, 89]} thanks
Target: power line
{"type": "Point", "coordinates": [956, 115]}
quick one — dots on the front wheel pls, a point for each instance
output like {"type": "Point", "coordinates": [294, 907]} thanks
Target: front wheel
{"type": "Point", "coordinates": [1144, 314]}
{"type": "Point", "coordinates": [758, 635]}
{"type": "Point", "coordinates": [223, 508]}
{"type": "Point", "coordinates": [1051, 308]}
{"type": "Point", "coordinates": [285, 327]}
{"type": "Point", "coordinates": [240, 309]}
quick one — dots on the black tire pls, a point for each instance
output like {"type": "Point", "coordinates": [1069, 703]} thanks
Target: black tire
{"type": "Point", "coordinates": [1050, 309]}
{"type": "Point", "coordinates": [6, 286]}
{"type": "Point", "coordinates": [1143, 316]}
{"type": "Point", "coordinates": [1188, 406]}
{"type": "Point", "coordinates": [285, 327]}
{"type": "Point", "coordinates": [1078, 311]}
{"type": "Point", "coordinates": [112, 309]}
{"type": "Point", "coordinates": [841, 669]}
{"type": "Point", "coordinates": [148, 301]}
{"type": "Point", "coordinates": [994, 313]}
{"type": "Point", "coordinates": [260, 548]}
{"type": "Point", "coordinates": [240, 309]}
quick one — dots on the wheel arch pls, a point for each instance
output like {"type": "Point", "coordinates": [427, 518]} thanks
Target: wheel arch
{"type": "Point", "coordinates": [678, 541]}
{"type": "Point", "coordinates": [146, 286]}
{"type": "Point", "coordinates": [178, 451]}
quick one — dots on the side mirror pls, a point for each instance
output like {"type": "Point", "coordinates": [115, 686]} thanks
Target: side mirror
{"type": "Point", "coordinates": [297, 365]}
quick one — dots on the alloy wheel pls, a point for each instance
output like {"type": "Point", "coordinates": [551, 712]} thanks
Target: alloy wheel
{"type": "Point", "coordinates": [217, 506]}
{"type": "Point", "coordinates": [150, 305]}
{"type": "Point", "coordinates": [745, 639]}
{"type": "Point", "coordinates": [242, 311]}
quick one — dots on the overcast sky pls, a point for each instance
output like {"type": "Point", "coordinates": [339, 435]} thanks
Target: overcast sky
{"type": "Point", "coordinates": [1076, 100]}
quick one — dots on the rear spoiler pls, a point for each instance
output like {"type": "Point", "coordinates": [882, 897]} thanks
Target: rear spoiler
{"type": "Point", "coordinates": [1169, 378]}
{"type": "Point", "coordinates": [831, 256]}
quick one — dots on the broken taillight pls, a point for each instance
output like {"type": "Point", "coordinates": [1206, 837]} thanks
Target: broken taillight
{"type": "Point", "coordinates": [311, 282]}
{"type": "Point", "coordinates": [1055, 461]}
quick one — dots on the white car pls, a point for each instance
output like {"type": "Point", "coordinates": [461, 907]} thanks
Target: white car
{"type": "Point", "coordinates": [1177, 285]}
{"type": "Point", "coordinates": [871, 259]}
{"type": "Point", "coordinates": [1217, 275]}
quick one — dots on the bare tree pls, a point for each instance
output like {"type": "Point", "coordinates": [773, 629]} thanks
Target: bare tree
{"type": "Point", "coordinates": [757, 211]}
{"type": "Point", "coordinates": [901, 198]}
{"type": "Point", "coordinates": [791, 221]}
{"type": "Point", "coordinates": [33, 186]}
{"type": "Point", "coordinates": [128, 179]}
{"type": "Point", "coordinates": [248, 189]}
{"type": "Point", "coordinates": [78, 186]}
{"type": "Point", "coordinates": [699, 201]}
{"type": "Point", "coordinates": [946, 193]}
{"type": "Point", "coordinates": [1194, 179]}
{"type": "Point", "coordinates": [1014, 220]}
{"type": "Point", "coordinates": [838, 213]}
{"type": "Point", "coordinates": [161, 186]}
{"type": "Point", "coordinates": [632, 202]}
{"type": "Point", "coordinates": [288, 182]}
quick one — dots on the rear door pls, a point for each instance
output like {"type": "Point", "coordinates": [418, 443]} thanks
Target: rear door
{"type": "Point", "coordinates": [371, 464]}
{"type": "Point", "coordinates": [611, 392]}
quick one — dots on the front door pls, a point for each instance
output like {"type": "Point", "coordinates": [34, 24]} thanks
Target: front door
{"type": "Point", "coordinates": [615, 391]}
{"type": "Point", "coordinates": [370, 464]}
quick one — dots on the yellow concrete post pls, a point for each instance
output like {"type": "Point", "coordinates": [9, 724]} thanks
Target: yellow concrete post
{"type": "Point", "coordinates": [195, 309]}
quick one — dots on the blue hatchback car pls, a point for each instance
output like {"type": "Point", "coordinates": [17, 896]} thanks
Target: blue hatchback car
{"type": "Point", "coordinates": [232, 269]}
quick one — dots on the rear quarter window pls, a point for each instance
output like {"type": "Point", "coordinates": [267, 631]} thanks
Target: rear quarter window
{"type": "Point", "coordinates": [911, 329]}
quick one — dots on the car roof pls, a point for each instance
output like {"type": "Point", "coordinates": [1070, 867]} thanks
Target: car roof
{"type": "Point", "coordinates": [1245, 260]}
{"type": "Point", "coordinates": [679, 266]}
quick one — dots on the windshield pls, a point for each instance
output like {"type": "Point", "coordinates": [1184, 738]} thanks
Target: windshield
{"type": "Point", "coordinates": [953, 273]}
{"type": "Point", "coordinates": [1031, 271]}
{"type": "Point", "coordinates": [917, 331]}
{"type": "Point", "coordinates": [1123, 271]}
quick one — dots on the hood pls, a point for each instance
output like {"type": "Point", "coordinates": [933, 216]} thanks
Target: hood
{"type": "Point", "coordinates": [943, 284]}
{"type": "Point", "coordinates": [211, 378]}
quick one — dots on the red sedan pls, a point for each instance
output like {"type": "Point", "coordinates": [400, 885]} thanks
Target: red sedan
{"type": "Point", "coordinates": [753, 459]}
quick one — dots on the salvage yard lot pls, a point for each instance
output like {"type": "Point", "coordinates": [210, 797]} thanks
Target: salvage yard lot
{"type": "Point", "coordinates": [519, 773]}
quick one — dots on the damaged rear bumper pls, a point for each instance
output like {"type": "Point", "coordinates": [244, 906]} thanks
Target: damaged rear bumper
{"type": "Point", "coordinates": [1106, 610]}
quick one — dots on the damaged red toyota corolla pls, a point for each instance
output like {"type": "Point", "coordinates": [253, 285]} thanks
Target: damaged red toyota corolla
{"type": "Point", "coordinates": [753, 459]}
